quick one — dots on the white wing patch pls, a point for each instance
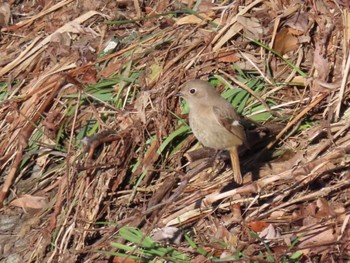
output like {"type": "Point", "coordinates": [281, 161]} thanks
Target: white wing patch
{"type": "Point", "coordinates": [235, 123]}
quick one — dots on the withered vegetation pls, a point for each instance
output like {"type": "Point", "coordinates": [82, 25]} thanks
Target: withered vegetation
{"type": "Point", "coordinates": [93, 138]}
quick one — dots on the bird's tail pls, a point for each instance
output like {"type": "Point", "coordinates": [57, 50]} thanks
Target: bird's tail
{"type": "Point", "coordinates": [237, 176]}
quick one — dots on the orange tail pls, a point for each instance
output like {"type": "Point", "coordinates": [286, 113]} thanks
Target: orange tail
{"type": "Point", "coordinates": [237, 176]}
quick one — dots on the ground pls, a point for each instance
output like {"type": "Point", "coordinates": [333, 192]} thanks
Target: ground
{"type": "Point", "coordinates": [98, 161]}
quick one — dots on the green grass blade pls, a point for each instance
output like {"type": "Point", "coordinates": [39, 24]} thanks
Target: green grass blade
{"type": "Point", "coordinates": [182, 130]}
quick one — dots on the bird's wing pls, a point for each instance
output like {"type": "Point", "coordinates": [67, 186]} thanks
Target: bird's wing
{"type": "Point", "coordinates": [228, 118]}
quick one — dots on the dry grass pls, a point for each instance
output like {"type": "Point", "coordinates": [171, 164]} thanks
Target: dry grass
{"type": "Point", "coordinates": [93, 138]}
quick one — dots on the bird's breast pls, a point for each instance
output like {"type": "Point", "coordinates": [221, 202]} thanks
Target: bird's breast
{"type": "Point", "coordinates": [210, 132]}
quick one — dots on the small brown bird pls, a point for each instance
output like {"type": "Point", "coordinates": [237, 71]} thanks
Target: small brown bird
{"type": "Point", "coordinates": [214, 121]}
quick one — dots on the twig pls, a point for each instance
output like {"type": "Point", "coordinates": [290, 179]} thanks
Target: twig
{"type": "Point", "coordinates": [232, 28]}
{"type": "Point", "coordinates": [342, 87]}
{"type": "Point", "coordinates": [296, 119]}
{"type": "Point", "coordinates": [249, 90]}
{"type": "Point", "coordinates": [68, 27]}
{"type": "Point", "coordinates": [41, 14]}
{"type": "Point", "coordinates": [25, 134]}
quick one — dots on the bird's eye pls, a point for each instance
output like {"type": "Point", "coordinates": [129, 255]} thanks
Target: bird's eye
{"type": "Point", "coordinates": [193, 91]}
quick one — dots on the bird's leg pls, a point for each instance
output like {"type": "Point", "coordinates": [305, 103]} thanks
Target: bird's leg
{"type": "Point", "coordinates": [215, 156]}
{"type": "Point", "coordinates": [237, 175]}
{"type": "Point", "coordinates": [215, 159]}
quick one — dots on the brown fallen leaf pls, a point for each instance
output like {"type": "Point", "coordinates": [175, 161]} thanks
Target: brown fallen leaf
{"type": "Point", "coordinates": [206, 7]}
{"type": "Point", "coordinates": [228, 56]}
{"type": "Point", "coordinates": [317, 237]}
{"type": "Point", "coordinates": [192, 19]}
{"type": "Point", "coordinates": [321, 63]}
{"type": "Point", "coordinates": [110, 69]}
{"type": "Point", "coordinates": [270, 233]}
{"type": "Point", "coordinates": [30, 201]}
{"type": "Point", "coordinates": [285, 41]}
{"type": "Point", "coordinates": [258, 226]}
{"type": "Point", "coordinates": [86, 75]}
{"type": "Point", "coordinates": [251, 26]}
{"type": "Point", "coordinates": [325, 210]}
{"type": "Point", "coordinates": [222, 233]}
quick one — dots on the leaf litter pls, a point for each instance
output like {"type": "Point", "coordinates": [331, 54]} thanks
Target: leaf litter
{"type": "Point", "coordinates": [94, 140]}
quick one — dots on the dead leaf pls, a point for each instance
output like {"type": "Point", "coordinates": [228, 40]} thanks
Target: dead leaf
{"type": "Point", "coordinates": [299, 80]}
{"type": "Point", "coordinates": [285, 41]}
{"type": "Point", "coordinates": [52, 123]}
{"type": "Point", "coordinates": [270, 233]}
{"type": "Point", "coordinates": [279, 251]}
{"type": "Point", "coordinates": [236, 213]}
{"type": "Point", "coordinates": [161, 6]}
{"type": "Point", "coordinates": [30, 201]}
{"type": "Point", "coordinates": [86, 75]}
{"type": "Point", "coordinates": [5, 14]}
{"type": "Point", "coordinates": [71, 27]}
{"type": "Point", "coordinates": [324, 209]}
{"type": "Point", "coordinates": [88, 5]}
{"type": "Point", "coordinates": [168, 233]}
{"type": "Point", "coordinates": [110, 69]}
{"type": "Point", "coordinates": [141, 104]}
{"type": "Point", "coordinates": [277, 214]}
{"type": "Point", "coordinates": [154, 72]}
{"type": "Point", "coordinates": [317, 237]}
{"type": "Point", "coordinates": [299, 23]}
{"type": "Point", "coordinates": [60, 43]}
{"type": "Point", "coordinates": [192, 19]}
{"type": "Point", "coordinates": [206, 6]}
{"type": "Point", "coordinates": [321, 63]}
{"type": "Point", "coordinates": [227, 56]}
{"type": "Point", "coordinates": [310, 220]}
{"type": "Point", "coordinates": [222, 233]}
{"type": "Point", "coordinates": [251, 26]}
{"type": "Point", "coordinates": [258, 226]}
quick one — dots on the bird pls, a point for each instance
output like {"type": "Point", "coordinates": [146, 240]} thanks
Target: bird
{"type": "Point", "coordinates": [214, 121]}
